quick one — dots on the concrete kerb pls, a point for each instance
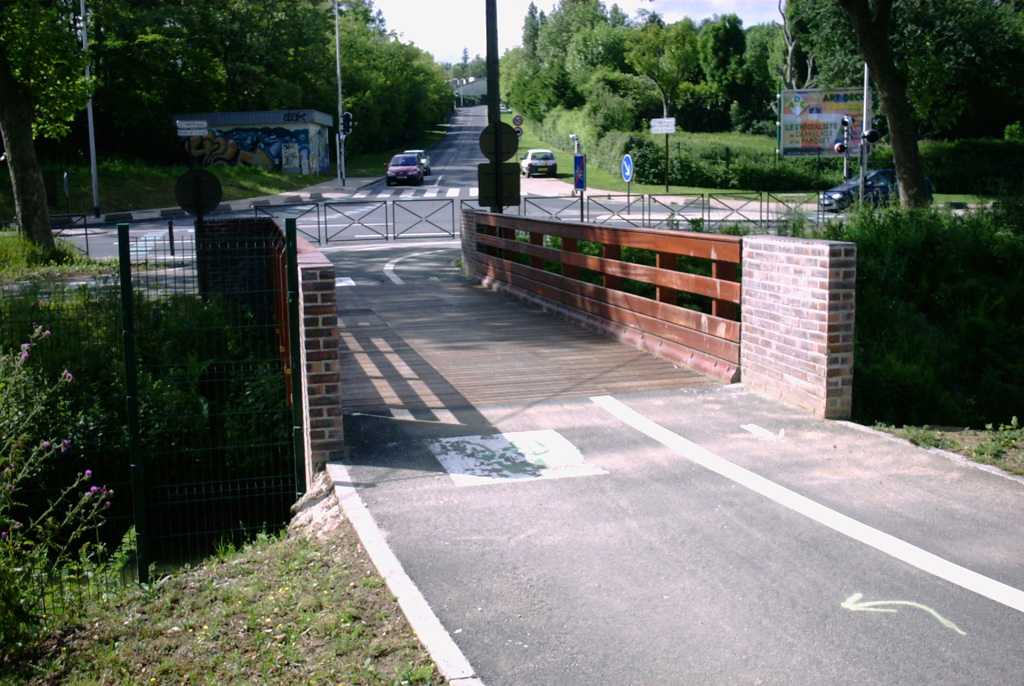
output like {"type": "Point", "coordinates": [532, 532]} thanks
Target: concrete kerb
{"type": "Point", "coordinates": [449, 659]}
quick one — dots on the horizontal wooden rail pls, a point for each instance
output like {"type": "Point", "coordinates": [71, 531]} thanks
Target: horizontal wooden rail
{"type": "Point", "coordinates": [542, 261]}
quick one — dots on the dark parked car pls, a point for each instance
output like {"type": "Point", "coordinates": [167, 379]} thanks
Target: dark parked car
{"type": "Point", "coordinates": [404, 167]}
{"type": "Point", "coordinates": [880, 187]}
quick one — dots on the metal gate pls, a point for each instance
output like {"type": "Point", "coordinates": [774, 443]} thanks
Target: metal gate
{"type": "Point", "coordinates": [208, 355]}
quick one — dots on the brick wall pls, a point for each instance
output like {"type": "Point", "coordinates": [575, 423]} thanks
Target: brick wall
{"type": "Point", "coordinates": [321, 373]}
{"type": "Point", "coordinates": [798, 307]}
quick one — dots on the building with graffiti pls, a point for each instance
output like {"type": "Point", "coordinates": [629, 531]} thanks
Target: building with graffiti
{"type": "Point", "coordinates": [292, 141]}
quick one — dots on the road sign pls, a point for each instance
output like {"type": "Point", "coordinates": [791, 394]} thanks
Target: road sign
{"type": "Point", "coordinates": [498, 142]}
{"type": "Point", "coordinates": [192, 127]}
{"type": "Point", "coordinates": [519, 131]}
{"type": "Point", "coordinates": [198, 192]}
{"type": "Point", "coordinates": [579, 168]}
{"type": "Point", "coordinates": [627, 168]}
{"type": "Point", "coordinates": [666, 125]}
{"type": "Point", "coordinates": [517, 120]}
{"type": "Point", "coordinates": [499, 187]}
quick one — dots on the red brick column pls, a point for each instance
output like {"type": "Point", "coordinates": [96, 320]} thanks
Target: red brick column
{"type": "Point", "coordinates": [798, 319]}
{"type": "Point", "coordinates": [321, 372]}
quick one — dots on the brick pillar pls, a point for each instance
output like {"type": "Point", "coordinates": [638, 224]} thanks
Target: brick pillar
{"type": "Point", "coordinates": [798, 320]}
{"type": "Point", "coordinates": [321, 372]}
{"type": "Point", "coordinates": [468, 235]}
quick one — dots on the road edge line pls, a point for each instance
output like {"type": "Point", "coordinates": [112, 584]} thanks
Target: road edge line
{"type": "Point", "coordinates": [442, 648]}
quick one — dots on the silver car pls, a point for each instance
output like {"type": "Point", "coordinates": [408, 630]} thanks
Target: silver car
{"type": "Point", "coordinates": [424, 160]}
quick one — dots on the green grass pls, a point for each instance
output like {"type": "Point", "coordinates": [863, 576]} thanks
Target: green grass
{"type": "Point", "coordinates": [300, 608]}
{"type": "Point", "coordinates": [21, 260]}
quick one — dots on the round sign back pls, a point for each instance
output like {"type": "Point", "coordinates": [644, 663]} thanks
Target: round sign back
{"type": "Point", "coordinates": [198, 191]}
{"type": "Point", "coordinates": [499, 142]}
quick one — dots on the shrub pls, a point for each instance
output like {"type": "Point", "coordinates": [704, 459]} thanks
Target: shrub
{"type": "Point", "coordinates": [939, 329]}
{"type": "Point", "coordinates": [36, 543]}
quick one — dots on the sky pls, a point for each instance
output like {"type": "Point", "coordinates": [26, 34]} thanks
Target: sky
{"type": "Point", "coordinates": [444, 27]}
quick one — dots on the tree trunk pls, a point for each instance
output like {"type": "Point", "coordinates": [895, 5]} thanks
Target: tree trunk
{"type": "Point", "coordinates": [872, 29]}
{"type": "Point", "coordinates": [16, 116]}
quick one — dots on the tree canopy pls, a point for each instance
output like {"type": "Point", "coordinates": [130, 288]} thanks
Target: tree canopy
{"type": "Point", "coordinates": [155, 58]}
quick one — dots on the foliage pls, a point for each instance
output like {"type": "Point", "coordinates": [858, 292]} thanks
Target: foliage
{"type": "Point", "coordinates": [295, 609]}
{"type": "Point", "coordinates": [209, 386]}
{"type": "Point", "coordinates": [985, 167]}
{"type": "Point", "coordinates": [40, 45]}
{"type": "Point", "coordinates": [158, 59]}
{"type": "Point", "coordinates": [20, 257]}
{"type": "Point", "coordinates": [41, 541]}
{"type": "Point", "coordinates": [938, 315]}
{"type": "Point", "coordinates": [961, 59]}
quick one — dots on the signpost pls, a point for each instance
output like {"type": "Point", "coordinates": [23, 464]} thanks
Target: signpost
{"type": "Point", "coordinates": [665, 126]}
{"type": "Point", "coordinates": [579, 175]}
{"type": "Point", "coordinates": [627, 173]}
{"type": "Point", "coordinates": [192, 127]}
{"type": "Point", "coordinates": [498, 181]}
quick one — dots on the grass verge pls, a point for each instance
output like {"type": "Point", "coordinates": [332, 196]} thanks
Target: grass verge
{"type": "Point", "coordinates": [1000, 446]}
{"type": "Point", "coordinates": [306, 607]}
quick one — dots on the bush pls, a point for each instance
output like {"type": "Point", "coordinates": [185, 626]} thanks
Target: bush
{"type": "Point", "coordinates": [939, 325]}
{"type": "Point", "coordinates": [38, 542]}
{"type": "Point", "coordinates": [978, 167]}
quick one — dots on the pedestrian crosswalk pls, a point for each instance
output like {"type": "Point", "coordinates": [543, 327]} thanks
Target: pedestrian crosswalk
{"type": "Point", "coordinates": [425, 193]}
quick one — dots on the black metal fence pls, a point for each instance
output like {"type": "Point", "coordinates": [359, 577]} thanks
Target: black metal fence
{"type": "Point", "coordinates": [182, 402]}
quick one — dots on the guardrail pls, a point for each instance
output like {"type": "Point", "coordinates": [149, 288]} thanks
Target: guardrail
{"type": "Point", "coordinates": [361, 220]}
{"type": "Point", "coordinates": [672, 293]}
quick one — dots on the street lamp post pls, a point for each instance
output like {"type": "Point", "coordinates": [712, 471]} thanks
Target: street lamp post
{"type": "Point", "coordinates": [341, 136]}
{"type": "Point", "coordinates": [92, 131]}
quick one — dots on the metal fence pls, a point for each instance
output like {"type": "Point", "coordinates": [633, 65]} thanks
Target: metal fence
{"type": "Point", "coordinates": [182, 402]}
{"type": "Point", "coordinates": [362, 220]}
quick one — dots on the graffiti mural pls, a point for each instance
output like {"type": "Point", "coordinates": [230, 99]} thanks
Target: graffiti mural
{"type": "Point", "coordinates": [279, 147]}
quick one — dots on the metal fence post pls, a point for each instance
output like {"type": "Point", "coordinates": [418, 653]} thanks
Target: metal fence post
{"type": "Point", "coordinates": [131, 382]}
{"type": "Point", "coordinates": [298, 438]}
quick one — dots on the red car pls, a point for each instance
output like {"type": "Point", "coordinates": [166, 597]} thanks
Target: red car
{"type": "Point", "coordinates": [404, 167]}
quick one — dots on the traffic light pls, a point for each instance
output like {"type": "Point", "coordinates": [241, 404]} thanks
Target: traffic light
{"type": "Point", "coordinates": [872, 136]}
{"type": "Point", "coordinates": [840, 147]}
{"type": "Point", "coordinates": [346, 123]}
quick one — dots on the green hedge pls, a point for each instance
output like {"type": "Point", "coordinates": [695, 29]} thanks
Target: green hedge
{"type": "Point", "coordinates": [939, 326]}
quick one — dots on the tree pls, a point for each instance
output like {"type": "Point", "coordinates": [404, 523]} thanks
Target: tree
{"type": "Point", "coordinates": [871, 25]}
{"type": "Point", "coordinates": [667, 55]}
{"type": "Point", "coordinates": [42, 85]}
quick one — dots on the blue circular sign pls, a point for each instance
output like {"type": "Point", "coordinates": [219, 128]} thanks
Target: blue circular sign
{"type": "Point", "coordinates": [627, 168]}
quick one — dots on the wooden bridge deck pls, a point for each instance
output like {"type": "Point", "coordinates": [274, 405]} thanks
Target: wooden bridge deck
{"type": "Point", "coordinates": [426, 350]}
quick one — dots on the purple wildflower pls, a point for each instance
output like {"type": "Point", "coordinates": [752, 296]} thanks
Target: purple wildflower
{"type": "Point", "coordinates": [88, 473]}
{"type": "Point", "coordinates": [45, 445]}
{"type": "Point", "coordinates": [94, 489]}
{"type": "Point", "coordinates": [64, 445]}
{"type": "Point", "coordinates": [68, 376]}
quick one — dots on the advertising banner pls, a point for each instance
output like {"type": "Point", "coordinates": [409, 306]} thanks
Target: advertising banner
{"type": "Point", "coordinates": [811, 121]}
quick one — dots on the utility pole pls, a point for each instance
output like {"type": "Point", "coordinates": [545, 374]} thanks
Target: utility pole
{"type": "Point", "coordinates": [341, 136]}
{"type": "Point", "coordinates": [92, 131]}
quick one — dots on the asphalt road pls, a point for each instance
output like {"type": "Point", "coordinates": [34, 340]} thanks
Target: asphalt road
{"type": "Point", "coordinates": [713, 538]}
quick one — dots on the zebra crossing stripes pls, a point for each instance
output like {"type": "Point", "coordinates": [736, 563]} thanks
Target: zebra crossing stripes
{"type": "Point", "coordinates": [430, 193]}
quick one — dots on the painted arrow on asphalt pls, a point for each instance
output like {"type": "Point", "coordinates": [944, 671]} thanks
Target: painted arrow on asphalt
{"type": "Point", "coordinates": [853, 603]}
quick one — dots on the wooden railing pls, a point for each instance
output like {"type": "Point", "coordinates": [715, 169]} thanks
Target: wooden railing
{"type": "Point", "coordinates": [630, 283]}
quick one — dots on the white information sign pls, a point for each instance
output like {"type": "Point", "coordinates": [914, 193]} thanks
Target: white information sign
{"type": "Point", "coordinates": [666, 125]}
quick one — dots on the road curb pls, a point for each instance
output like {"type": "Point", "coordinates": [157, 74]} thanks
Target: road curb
{"type": "Point", "coordinates": [432, 634]}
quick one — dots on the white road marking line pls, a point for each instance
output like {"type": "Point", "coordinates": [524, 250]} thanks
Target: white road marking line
{"type": "Point", "coordinates": [879, 540]}
{"type": "Point", "coordinates": [761, 432]}
{"type": "Point", "coordinates": [438, 642]}
{"type": "Point", "coordinates": [344, 281]}
{"type": "Point", "coordinates": [389, 268]}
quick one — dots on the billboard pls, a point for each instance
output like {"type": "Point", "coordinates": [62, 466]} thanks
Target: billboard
{"type": "Point", "coordinates": [810, 121]}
